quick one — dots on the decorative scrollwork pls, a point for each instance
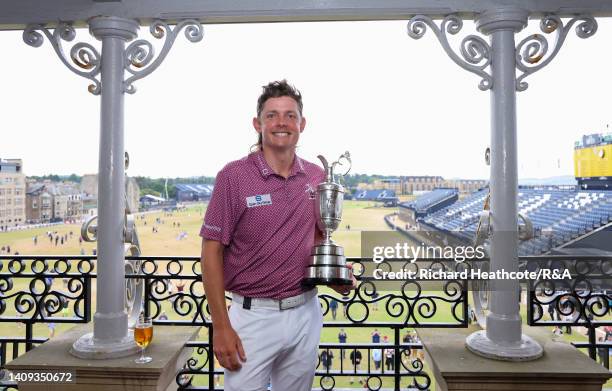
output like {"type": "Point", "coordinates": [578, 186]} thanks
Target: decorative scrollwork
{"type": "Point", "coordinates": [140, 58]}
{"type": "Point", "coordinates": [84, 59]}
{"type": "Point", "coordinates": [475, 51]}
{"type": "Point", "coordinates": [581, 300]}
{"type": "Point", "coordinates": [38, 300]}
{"type": "Point", "coordinates": [531, 52]}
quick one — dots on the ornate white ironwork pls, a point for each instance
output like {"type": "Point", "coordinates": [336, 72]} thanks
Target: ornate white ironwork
{"type": "Point", "coordinates": [84, 59]}
{"type": "Point", "coordinates": [530, 52]}
{"type": "Point", "coordinates": [140, 58]}
{"type": "Point", "coordinates": [475, 51]}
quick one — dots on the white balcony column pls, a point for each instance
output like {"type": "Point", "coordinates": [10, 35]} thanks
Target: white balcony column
{"type": "Point", "coordinates": [110, 332]}
{"type": "Point", "coordinates": [503, 338]}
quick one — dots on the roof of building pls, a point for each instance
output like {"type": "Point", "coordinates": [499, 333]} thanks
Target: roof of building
{"type": "Point", "coordinates": [374, 195]}
{"type": "Point", "coordinates": [34, 188]}
{"type": "Point", "coordinates": [152, 198]}
{"type": "Point", "coordinates": [195, 187]}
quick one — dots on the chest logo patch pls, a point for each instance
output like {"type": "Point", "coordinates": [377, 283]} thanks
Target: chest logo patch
{"type": "Point", "coordinates": [310, 191]}
{"type": "Point", "coordinates": [258, 200]}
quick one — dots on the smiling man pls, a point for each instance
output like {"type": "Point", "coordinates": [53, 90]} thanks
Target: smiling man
{"type": "Point", "coordinates": [257, 235]}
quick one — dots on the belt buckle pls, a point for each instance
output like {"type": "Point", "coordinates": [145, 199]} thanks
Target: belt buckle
{"type": "Point", "coordinates": [285, 304]}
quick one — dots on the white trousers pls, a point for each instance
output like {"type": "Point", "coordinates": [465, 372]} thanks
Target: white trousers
{"type": "Point", "coordinates": [281, 347]}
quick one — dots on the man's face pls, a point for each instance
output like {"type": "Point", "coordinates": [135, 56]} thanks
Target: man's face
{"type": "Point", "coordinates": [280, 123]}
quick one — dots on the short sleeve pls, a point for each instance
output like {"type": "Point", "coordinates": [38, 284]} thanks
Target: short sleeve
{"type": "Point", "coordinates": [220, 218]}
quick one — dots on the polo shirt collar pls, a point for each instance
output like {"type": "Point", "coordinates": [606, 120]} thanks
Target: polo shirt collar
{"type": "Point", "coordinates": [262, 165]}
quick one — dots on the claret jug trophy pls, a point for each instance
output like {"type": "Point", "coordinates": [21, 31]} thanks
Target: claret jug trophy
{"type": "Point", "coordinates": [328, 264]}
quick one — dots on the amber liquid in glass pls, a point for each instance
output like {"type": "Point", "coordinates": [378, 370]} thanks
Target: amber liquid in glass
{"type": "Point", "coordinates": [143, 335]}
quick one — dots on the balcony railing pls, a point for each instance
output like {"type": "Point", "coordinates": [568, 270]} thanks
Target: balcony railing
{"type": "Point", "coordinates": [44, 289]}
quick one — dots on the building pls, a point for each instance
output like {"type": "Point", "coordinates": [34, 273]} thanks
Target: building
{"type": "Point", "coordinates": [90, 205]}
{"type": "Point", "coordinates": [51, 202]}
{"type": "Point", "coordinates": [12, 193]}
{"type": "Point", "coordinates": [418, 184]}
{"type": "Point", "coordinates": [39, 204]}
{"type": "Point", "coordinates": [150, 200]}
{"type": "Point", "coordinates": [465, 186]}
{"type": "Point", "coordinates": [423, 183]}
{"type": "Point", "coordinates": [67, 201]}
{"type": "Point", "coordinates": [89, 190]}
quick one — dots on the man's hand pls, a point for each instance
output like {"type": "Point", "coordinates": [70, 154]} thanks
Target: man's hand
{"type": "Point", "coordinates": [228, 348]}
{"type": "Point", "coordinates": [345, 289]}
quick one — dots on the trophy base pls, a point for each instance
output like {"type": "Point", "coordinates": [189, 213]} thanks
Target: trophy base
{"type": "Point", "coordinates": [328, 269]}
{"type": "Point", "coordinates": [310, 282]}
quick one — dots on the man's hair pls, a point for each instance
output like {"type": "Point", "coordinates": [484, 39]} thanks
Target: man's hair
{"type": "Point", "coordinates": [276, 89]}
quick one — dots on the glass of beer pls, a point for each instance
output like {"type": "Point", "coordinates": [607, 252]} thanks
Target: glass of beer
{"type": "Point", "coordinates": [143, 334]}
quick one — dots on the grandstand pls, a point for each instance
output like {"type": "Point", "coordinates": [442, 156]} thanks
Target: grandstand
{"type": "Point", "coordinates": [431, 201]}
{"type": "Point", "coordinates": [558, 216]}
{"type": "Point", "coordinates": [193, 192]}
{"type": "Point", "coordinates": [562, 217]}
{"type": "Point", "coordinates": [387, 196]}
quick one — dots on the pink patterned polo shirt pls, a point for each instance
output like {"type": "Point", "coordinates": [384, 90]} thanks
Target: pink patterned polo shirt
{"type": "Point", "coordinates": [266, 223]}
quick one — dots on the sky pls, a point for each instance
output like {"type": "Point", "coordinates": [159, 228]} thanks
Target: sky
{"type": "Point", "coordinates": [399, 105]}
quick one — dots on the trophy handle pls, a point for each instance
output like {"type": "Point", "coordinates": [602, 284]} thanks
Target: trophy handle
{"type": "Point", "coordinates": [346, 156]}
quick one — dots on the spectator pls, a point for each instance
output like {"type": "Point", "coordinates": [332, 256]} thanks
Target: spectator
{"type": "Point", "coordinates": [326, 359]}
{"type": "Point", "coordinates": [342, 339]}
{"type": "Point", "coordinates": [471, 315]}
{"type": "Point", "coordinates": [375, 336]}
{"type": "Point", "coordinates": [603, 353]}
{"type": "Point", "coordinates": [390, 359]}
{"type": "Point", "coordinates": [375, 296]}
{"type": "Point", "coordinates": [377, 358]}
{"type": "Point", "coordinates": [355, 358]}
{"type": "Point", "coordinates": [65, 311]}
{"type": "Point", "coordinates": [407, 338]}
{"type": "Point", "coordinates": [551, 310]}
{"type": "Point", "coordinates": [608, 330]}
{"type": "Point", "coordinates": [568, 328]}
{"type": "Point", "coordinates": [333, 306]}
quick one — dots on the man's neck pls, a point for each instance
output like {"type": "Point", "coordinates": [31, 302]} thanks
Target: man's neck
{"type": "Point", "coordinates": [280, 161]}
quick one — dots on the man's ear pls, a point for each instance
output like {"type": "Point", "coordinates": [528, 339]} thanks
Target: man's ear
{"type": "Point", "coordinates": [302, 124]}
{"type": "Point", "coordinates": [257, 124]}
